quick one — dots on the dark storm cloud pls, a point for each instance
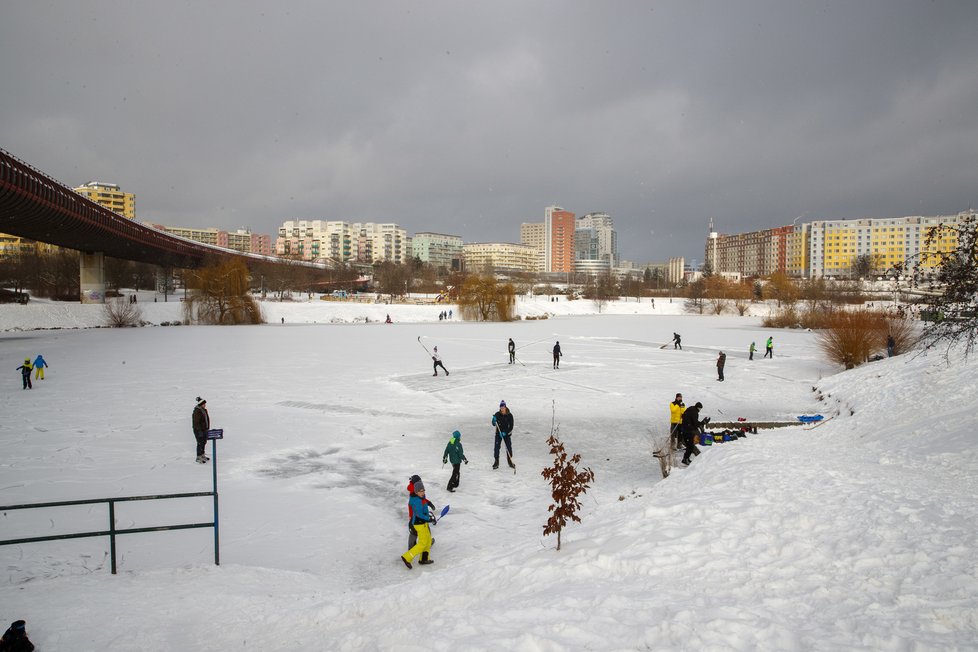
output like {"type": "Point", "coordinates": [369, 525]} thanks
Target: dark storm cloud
{"type": "Point", "coordinates": [470, 118]}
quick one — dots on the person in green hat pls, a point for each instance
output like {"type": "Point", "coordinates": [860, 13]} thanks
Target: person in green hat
{"type": "Point", "coordinates": [455, 455]}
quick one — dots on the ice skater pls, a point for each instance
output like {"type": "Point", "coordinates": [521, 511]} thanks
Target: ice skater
{"type": "Point", "coordinates": [557, 354]}
{"type": "Point", "coordinates": [422, 518]}
{"type": "Point", "coordinates": [25, 373]}
{"type": "Point", "coordinates": [677, 342]}
{"type": "Point", "coordinates": [436, 362]}
{"type": "Point", "coordinates": [769, 349]}
{"type": "Point", "coordinates": [512, 351]}
{"type": "Point", "coordinates": [454, 454]}
{"type": "Point", "coordinates": [753, 347]}
{"type": "Point", "coordinates": [721, 361]}
{"type": "Point", "coordinates": [39, 364]}
{"type": "Point", "coordinates": [503, 420]}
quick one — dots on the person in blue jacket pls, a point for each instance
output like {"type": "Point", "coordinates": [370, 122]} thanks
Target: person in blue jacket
{"type": "Point", "coordinates": [39, 364]}
{"type": "Point", "coordinates": [422, 518]}
{"type": "Point", "coordinates": [25, 373]}
{"type": "Point", "coordinates": [503, 420]}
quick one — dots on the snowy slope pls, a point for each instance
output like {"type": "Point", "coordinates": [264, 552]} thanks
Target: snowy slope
{"type": "Point", "coordinates": [858, 534]}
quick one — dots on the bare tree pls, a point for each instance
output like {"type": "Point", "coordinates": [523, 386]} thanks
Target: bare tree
{"type": "Point", "coordinates": [120, 313]}
{"type": "Point", "coordinates": [567, 483]}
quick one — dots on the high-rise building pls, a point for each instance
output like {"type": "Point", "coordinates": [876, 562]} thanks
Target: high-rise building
{"type": "Point", "coordinates": [558, 227]}
{"type": "Point", "coordinates": [533, 234]}
{"type": "Point", "coordinates": [110, 196]}
{"type": "Point", "coordinates": [438, 250]}
{"type": "Point", "coordinates": [753, 254]}
{"type": "Point", "coordinates": [595, 239]}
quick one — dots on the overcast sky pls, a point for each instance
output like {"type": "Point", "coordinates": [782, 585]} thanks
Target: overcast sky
{"type": "Point", "coordinates": [471, 117]}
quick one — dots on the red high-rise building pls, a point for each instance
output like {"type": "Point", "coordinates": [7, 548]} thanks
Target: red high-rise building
{"type": "Point", "coordinates": [558, 226]}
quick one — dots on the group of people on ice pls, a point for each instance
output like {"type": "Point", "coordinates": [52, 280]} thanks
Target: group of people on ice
{"type": "Point", "coordinates": [421, 511]}
{"type": "Point", "coordinates": [677, 343]}
{"type": "Point", "coordinates": [37, 367]}
{"type": "Point", "coordinates": [685, 426]}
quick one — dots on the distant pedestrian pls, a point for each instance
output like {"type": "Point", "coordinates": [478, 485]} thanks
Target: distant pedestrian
{"type": "Point", "coordinates": [450, 313]}
{"type": "Point", "coordinates": [769, 350]}
{"type": "Point", "coordinates": [436, 360]}
{"type": "Point", "coordinates": [503, 420]}
{"type": "Point", "coordinates": [721, 360]}
{"type": "Point", "coordinates": [677, 342]}
{"type": "Point", "coordinates": [25, 373]}
{"type": "Point", "coordinates": [454, 454]}
{"type": "Point", "coordinates": [39, 364]}
{"type": "Point", "coordinates": [753, 347]}
{"type": "Point", "coordinates": [890, 345]}
{"type": "Point", "coordinates": [653, 302]}
{"type": "Point", "coordinates": [388, 321]}
{"type": "Point", "coordinates": [557, 355]}
{"type": "Point", "coordinates": [201, 424]}
{"type": "Point", "coordinates": [512, 351]}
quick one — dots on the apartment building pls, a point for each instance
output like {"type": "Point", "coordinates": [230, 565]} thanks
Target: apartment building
{"type": "Point", "coordinates": [241, 240]}
{"type": "Point", "coordinates": [110, 196]}
{"type": "Point", "coordinates": [438, 250]}
{"type": "Point", "coordinates": [500, 257]}
{"type": "Point", "coordinates": [559, 226]}
{"type": "Point", "coordinates": [351, 242]}
{"type": "Point", "coordinates": [595, 239]}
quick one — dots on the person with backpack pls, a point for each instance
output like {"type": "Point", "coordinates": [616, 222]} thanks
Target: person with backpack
{"type": "Point", "coordinates": [25, 373]}
{"type": "Point", "coordinates": [39, 364]}
{"type": "Point", "coordinates": [503, 420]}
{"type": "Point", "coordinates": [420, 519]}
{"type": "Point", "coordinates": [201, 424]}
{"type": "Point", "coordinates": [454, 454]}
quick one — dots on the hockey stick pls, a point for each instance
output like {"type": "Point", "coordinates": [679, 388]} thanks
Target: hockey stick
{"type": "Point", "coordinates": [423, 346]}
{"type": "Point", "coordinates": [820, 423]}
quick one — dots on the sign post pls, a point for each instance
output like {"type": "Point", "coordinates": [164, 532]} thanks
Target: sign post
{"type": "Point", "coordinates": [214, 435]}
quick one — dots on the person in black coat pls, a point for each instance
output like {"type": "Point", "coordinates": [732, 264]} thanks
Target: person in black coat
{"type": "Point", "coordinates": [503, 420]}
{"type": "Point", "coordinates": [512, 351]}
{"type": "Point", "coordinates": [721, 361]}
{"type": "Point", "coordinates": [557, 355]}
{"type": "Point", "coordinates": [202, 423]}
{"type": "Point", "coordinates": [691, 428]}
{"type": "Point", "coordinates": [15, 638]}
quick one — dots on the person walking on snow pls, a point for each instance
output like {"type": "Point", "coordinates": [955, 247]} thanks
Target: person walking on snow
{"type": "Point", "coordinates": [503, 420]}
{"type": "Point", "coordinates": [769, 351]}
{"type": "Point", "coordinates": [890, 345]}
{"type": "Point", "coordinates": [25, 373]}
{"type": "Point", "coordinates": [422, 518]}
{"type": "Point", "coordinates": [721, 360]}
{"type": "Point", "coordinates": [512, 351]}
{"type": "Point", "coordinates": [691, 428]}
{"type": "Point", "coordinates": [753, 347]}
{"type": "Point", "coordinates": [676, 409]}
{"type": "Point", "coordinates": [454, 454]}
{"type": "Point", "coordinates": [677, 342]}
{"type": "Point", "coordinates": [430, 506]}
{"type": "Point", "coordinates": [39, 364]}
{"type": "Point", "coordinates": [202, 423]}
{"type": "Point", "coordinates": [557, 355]}
{"type": "Point", "coordinates": [437, 362]}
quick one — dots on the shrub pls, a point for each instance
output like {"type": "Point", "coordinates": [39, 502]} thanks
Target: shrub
{"type": "Point", "coordinates": [483, 298]}
{"type": "Point", "coordinates": [852, 336]}
{"type": "Point", "coordinates": [221, 296]}
{"type": "Point", "coordinates": [567, 483]}
{"type": "Point", "coordinates": [121, 313]}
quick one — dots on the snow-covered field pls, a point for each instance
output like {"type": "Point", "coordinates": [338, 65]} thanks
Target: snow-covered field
{"type": "Point", "coordinates": [859, 534]}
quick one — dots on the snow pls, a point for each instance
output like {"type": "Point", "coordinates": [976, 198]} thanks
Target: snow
{"type": "Point", "coordinates": [857, 534]}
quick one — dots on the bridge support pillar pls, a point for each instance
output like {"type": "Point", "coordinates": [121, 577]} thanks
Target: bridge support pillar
{"type": "Point", "coordinates": [92, 277]}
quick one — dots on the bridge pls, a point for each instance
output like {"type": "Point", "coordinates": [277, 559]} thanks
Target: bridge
{"type": "Point", "coordinates": [35, 206]}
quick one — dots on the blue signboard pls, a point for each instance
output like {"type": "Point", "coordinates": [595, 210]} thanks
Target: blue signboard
{"type": "Point", "coordinates": [216, 434]}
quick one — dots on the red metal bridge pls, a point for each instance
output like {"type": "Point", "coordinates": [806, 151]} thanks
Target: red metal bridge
{"type": "Point", "coordinates": [35, 206]}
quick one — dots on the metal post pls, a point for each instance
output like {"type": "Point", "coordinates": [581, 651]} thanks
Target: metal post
{"type": "Point", "coordinates": [112, 533]}
{"type": "Point", "coordinates": [217, 547]}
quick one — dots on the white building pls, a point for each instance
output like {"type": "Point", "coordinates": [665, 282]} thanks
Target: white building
{"type": "Point", "coordinates": [366, 242]}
